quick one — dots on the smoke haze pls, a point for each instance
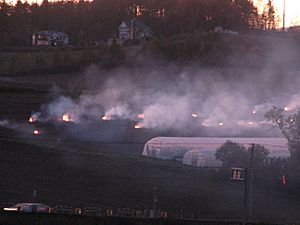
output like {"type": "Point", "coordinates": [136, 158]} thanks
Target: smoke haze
{"type": "Point", "coordinates": [158, 94]}
{"type": "Point", "coordinates": [232, 99]}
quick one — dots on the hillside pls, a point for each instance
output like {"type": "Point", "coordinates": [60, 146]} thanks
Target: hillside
{"type": "Point", "coordinates": [107, 168]}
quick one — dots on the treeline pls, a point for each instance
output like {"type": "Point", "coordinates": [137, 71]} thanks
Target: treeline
{"type": "Point", "coordinates": [98, 20]}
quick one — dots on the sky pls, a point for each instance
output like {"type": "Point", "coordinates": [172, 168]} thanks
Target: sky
{"type": "Point", "coordinates": [292, 10]}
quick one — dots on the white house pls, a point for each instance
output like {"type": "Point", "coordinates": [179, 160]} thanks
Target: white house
{"type": "Point", "coordinates": [50, 38]}
{"type": "Point", "coordinates": [134, 30]}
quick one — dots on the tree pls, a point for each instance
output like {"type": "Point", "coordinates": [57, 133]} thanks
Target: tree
{"type": "Point", "coordinates": [269, 16]}
{"type": "Point", "coordinates": [290, 128]}
{"type": "Point", "coordinates": [232, 155]}
{"type": "Point", "coordinates": [236, 155]}
{"type": "Point", "coordinates": [249, 14]}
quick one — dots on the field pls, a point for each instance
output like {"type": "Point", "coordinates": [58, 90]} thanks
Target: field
{"type": "Point", "coordinates": [25, 61]}
{"type": "Point", "coordinates": [108, 169]}
{"type": "Point", "coordinates": [67, 171]}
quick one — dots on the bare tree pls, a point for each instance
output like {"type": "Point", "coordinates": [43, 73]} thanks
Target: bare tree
{"type": "Point", "coordinates": [290, 128]}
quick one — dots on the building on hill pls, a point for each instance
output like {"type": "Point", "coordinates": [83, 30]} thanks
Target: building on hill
{"type": "Point", "coordinates": [220, 30]}
{"type": "Point", "coordinates": [200, 152]}
{"type": "Point", "coordinates": [294, 29]}
{"type": "Point", "coordinates": [134, 30]}
{"type": "Point", "coordinates": [50, 38]}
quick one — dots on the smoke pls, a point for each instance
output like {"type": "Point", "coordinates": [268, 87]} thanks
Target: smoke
{"type": "Point", "coordinates": [168, 101]}
{"type": "Point", "coordinates": [4, 123]}
{"type": "Point", "coordinates": [294, 102]}
{"type": "Point", "coordinates": [227, 100]}
{"type": "Point", "coordinates": [22, 128]}
{"type": "Point", "coordinates": [169, 111]}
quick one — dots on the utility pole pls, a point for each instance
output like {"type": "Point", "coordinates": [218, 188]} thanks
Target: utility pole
{"type": "Point", "coordinates": [250, 178]}
{"type": "Point", "coordinates": [240, 174]}
{"type": "Point", "coordinates": [34, 195]}
{"type": "Point", "coordinates": [133, 25]}
{"type": "Point", "coordinates": [283, 17]}
{"type": "Point", "coordinates": [246, 175]}
{"type": "Point", "coordinates": [155, 203]}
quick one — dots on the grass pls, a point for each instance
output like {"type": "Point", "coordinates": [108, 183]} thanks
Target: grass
{"type": "Point", "coordinates": [83, 173]}
{"type": "Point", "coordinates": [45, 60]}
{"type": "Point", "coordinates": [126, 179]}
{"type": "Point", "coordinates": [49, 219]}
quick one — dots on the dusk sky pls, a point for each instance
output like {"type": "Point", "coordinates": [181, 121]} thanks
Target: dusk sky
{"type": "Point", "coordinates": [292, 10]}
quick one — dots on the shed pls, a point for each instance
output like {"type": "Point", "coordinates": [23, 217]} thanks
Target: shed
{"type": "Point", "coordinates": [50, 38]}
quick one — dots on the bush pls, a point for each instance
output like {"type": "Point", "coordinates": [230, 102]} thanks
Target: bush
{"type": "Point", "coordinates": [236, 155]}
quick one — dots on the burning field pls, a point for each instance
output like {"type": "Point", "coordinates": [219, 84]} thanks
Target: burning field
{"type": "Point", "coordinates": [105, 118]}
{"type": "Point", "coordinates": [122, 107]}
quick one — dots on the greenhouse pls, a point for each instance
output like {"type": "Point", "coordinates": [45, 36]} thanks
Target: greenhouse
{"type": "Point", "coordinates": [200, 152]}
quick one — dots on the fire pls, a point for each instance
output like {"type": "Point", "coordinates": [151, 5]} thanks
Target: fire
{"type": "Point", "coordinates": [221, 124]}
{"type": "Point", "coordinates": [195, 115]}
{"type": "Point", "coordinates": [251, 123]}
{"type": "Point", "coordinates": [106, 117]}
{"type": "Point", "coordinates": [36, 132]}
{"type": "Point", "coordinates": [141, 116]}
{"type": "Point", "coordinates": [34, 117]}
{"type": "Point", "coordinates": [254, 111]}
{"type": "Point", "coordinates": [286, 109]}
{"type": "Point", "coordinates": [31, 119]}
{"type": "Point", "coordinates": [138, 126]}
{"type": "Point", "coordinates": [67, 117]}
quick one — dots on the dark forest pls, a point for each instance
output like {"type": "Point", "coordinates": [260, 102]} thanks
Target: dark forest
{"type": "Point", "coordinates": [98, 20]}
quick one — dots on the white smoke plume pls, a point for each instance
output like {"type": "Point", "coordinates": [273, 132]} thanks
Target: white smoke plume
{"type": "Point", "coordinates": [168, 95]}
{"type": "Point", "coordinates": [20, 127]}
{"type": "Point", "coordinates": [167, 112]}
{"type": "Point", "coordinates": [169, 104]}
{"type": "Point", "coordinates": [119, 111]}
{"type": "Point", "coordinates": [294, 102]}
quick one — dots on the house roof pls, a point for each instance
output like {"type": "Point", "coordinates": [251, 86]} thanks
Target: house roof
{"type": "Point", "coordinates": [138, 24]}
{"type": "Point", "coordinates": [47, 32]}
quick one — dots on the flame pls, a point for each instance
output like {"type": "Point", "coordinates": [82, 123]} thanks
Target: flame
{"type": "Point", "coordinates": [138, 126]}
{"type": "Point", "coordinates": [221, 124]}
{"type": "Point", "coordinates": [106, 117]}
{"type": "Point", "coordinates": [195, 115]}
{"type": "Point", "coordinates": [31, 119]}
{"type": "Point", "coordinates": [141, 116]}
{"type": "Point", "coordinates": [67, 117]}
{"type": "Point", "coordinates": [34, 117]}
{"type": "Point", "coordinates": [286, 109]}
{"type": "Point", "coordinates": [251, 123]}
{"type": "Point", "coordinates": [36, 132]}
{"type": "Point", "coordinates": [254, 111]}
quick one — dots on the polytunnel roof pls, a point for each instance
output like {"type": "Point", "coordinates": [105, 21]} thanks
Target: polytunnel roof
{"type": "Point", "coordinates": [278, 146]}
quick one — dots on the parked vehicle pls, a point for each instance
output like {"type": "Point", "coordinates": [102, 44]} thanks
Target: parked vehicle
{"type": "Point", "coordinates": [92, 211]}
{"type": "Point", "coordinates": [63, 209]}
{"type": "Point", "coordinates": [29, 207]}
